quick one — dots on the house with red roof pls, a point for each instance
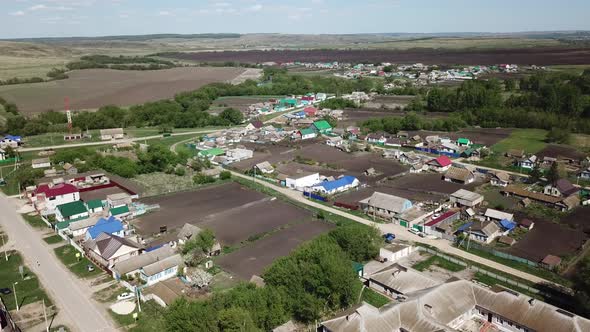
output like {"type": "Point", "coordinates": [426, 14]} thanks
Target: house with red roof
{"type": "Point", "coordinates": [310, 111]}
{"type": "Point", "coordinates": [440, 164]}
{"type": "Point", "coordinates": [46, 197]}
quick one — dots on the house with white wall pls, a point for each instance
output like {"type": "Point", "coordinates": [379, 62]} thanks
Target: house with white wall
{"type": "Point", "coordinates": [302, 181]}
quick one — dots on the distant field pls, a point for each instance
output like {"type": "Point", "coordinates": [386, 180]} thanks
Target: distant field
{"type": "Point", "coordinates": [441, 56]}
{"type": "Point", "coordinates": [93, 88]}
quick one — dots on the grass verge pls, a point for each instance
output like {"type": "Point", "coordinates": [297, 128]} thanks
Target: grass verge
{"type": "Point", "coordinates": [440, 262]}
{"type": "Point", "coordinates": [78, 265]}
{"type": "Point", "coordinates": [150, 319]}
{"type": "Point", "coordinates": [53, 239]}
{"type": "Point", "coordinates": [35, 221]}
{"type": "Point", "coordinates": [28, 289]}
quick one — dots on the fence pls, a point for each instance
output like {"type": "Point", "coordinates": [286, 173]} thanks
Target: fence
{"type": "Point", "coordinates": [353, 207]}
{"type": "Point", "coordinates": [314, 196]}
{"type": "Point", "coordinates": [434, 151]}
{"type": "Point", "coordinates": [482, 271]}
{"type": "Point", "coordinates": [499, 254]}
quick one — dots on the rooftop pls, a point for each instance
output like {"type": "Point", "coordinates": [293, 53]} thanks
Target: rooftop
{"type": "Point", "coordinates": [466, 195]}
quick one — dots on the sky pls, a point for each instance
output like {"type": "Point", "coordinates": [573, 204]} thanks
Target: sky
{"type": "Point", "coordinates": [64, 18]}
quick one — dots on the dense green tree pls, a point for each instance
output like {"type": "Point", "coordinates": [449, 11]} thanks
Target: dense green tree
{"type": "Point", "coordinates": [232, 116]}
{"type": "Point", "coordinates": [360, 243]}
{"type": "Point", "coordinates": [197, 316]}
{"type": "Point", "coordinates": [535, 174]}
{"type": "Point", "coordinates": [553, 173]}
{"type": "Point", "coordinates": [236, 320]}
{"type": "Point", "coordinates": [558, 135]}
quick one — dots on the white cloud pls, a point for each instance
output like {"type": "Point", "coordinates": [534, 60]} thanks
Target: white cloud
{"type": "Point", "coordinates": [123, 15]}
{"type": "Point", "coordinates": [18, 13]}
{"type": "Point", "coordinates": [164, 13]}
{"type": "Point", "coordinates": [255, 8]}
{"type": "Point", "coordinates": [38, 7]}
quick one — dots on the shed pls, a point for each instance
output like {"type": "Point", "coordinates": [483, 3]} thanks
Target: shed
{"type": "Point", "coordinates": [551, 261]}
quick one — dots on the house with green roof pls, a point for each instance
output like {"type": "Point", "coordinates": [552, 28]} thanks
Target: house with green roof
{"type": "Point", "coordinates": [94, 206]}
{"type": "Point", "coordinates": [322, 126]}
{"type": "Point", "coordinates": [72, 211]}
{"type": "Point", "coordinates": [307, 133]}
{"type": "Point", "coordinates": [463, 142]}
{"type": "Point", "coordinates": [210, 153]}
{"type": "Point", "coordinates": [120, 211]}
{"type": "Point", "coordinates": [289, 102]}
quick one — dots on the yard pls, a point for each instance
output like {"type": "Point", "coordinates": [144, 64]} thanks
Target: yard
{"type": "Point", "coordinates": [373, 298]}
{"type": "Point", "coordinates": [35, 221]}
{"type": "Point", "coordinates": [440, 262]}
{"type": "Point", "coordinates": [28, 289]}
{"type": "Point", "coordinates": [150, 319]}
{"type": "Point", "coordinates": [78, 265]}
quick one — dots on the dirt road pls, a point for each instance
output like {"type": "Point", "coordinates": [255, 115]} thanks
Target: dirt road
{"type": "Point", "coordinates": [70, 294]}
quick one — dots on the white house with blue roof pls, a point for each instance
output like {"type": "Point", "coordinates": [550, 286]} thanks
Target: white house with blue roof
{"type": "Point", "coordinates": [339, 185]}
{"type": "Point", "coordinates": [111, 226]}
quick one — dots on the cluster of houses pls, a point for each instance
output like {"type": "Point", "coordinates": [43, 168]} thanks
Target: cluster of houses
{"type": "Point", "coordinates": [8, 141]}
{"type": "Point", "coordinates": [525, 161]}
{"type": "Point", "coordinates": [284, 104]}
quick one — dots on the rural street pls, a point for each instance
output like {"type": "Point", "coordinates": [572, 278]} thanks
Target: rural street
{"type": "Point", "coordinates": [70, 295]}
{"type": "Point", "coordinates": [135, 139]}
{"type": "Point", "coordinates": [401, 232]}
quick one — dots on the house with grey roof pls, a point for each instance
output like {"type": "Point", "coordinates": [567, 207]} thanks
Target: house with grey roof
{"type": "Point", "coordinates": [385, 206]}
{"type": "Point", "coordinates": [108, 249]}
{"type": "Point", "coordinates": [398, 280]}
{"type": "Point", "coordinates": [484, 232]}
{"type": "Point", "coordinates": [134, 265]}
{"type": "Point", "coordinates": [161, 269]}
{"type": "Point", "coordinates": [458, 305]}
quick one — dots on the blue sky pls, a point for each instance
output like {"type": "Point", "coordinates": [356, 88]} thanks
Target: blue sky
{"type": "Point", "coordinates": [46, 18]}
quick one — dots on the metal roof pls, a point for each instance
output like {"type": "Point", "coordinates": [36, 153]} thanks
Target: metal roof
{"type": "Point", "coordinates": [466, 195]}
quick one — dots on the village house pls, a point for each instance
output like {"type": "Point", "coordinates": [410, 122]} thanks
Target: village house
{"type": "Point", "coordinates": [458, 305]}
{"type": "Point", "coordinates": [264, 168]}
{"type": "Point", "coordinates": [95, 206]}
{"type": "Point", "coordinates": [72, 211]}
{"type": "Point", "coordinates": [440, 164]}
{"type": "Point", "coordinates": [495, 215]}
{"type": "Point", "coordinates": [322, 126]}
{"type": "Point", "coordinates": [561, 188]}
{"type": "Point", "coordinates": [306, 133]}
{"type": "Point", "coordinates": [335, 141]}
{"type": "Point", "coordinates": [41, 163]}
{"type": "Point", "coordinates": [450, 148]}
{"type": "Point", "coordinates": [10, 141]}
{"type": "Point", "coordinates": [551, 262]}
{"type": "Point", "coordinates": [111, 134]}
{"type": "Point", "coordinates": [514, 153]}
{"type": "Point", "coordinates": [134, 265]}
{"type": "Point", "coordinates": [409, 158]}
{"type": "Point", "coordinates": [527, 163]}
{"type": "Point", "coordinates": [499, 179]}
{"type": "Point", "coordinates": [484, 232]}
{"type": "Point", "coordinates": [108, 249]}
{"type": "Point", "coordinates": [376, 138]}
{"type": "Point", "coordinates": [560, 203]}
{"type": "Point", "coordinates": [388, 207]}
{"type": "Point", "coordinates": [160, 270]}
{"type": "Point", "coordinates": [118, 200]}
{"type": "Point", "coordinates": [437, 226]}
{"type": "Point", "coordinates": [302, 181]}
{"type": "Point", "coordinates": [466, 198]}
{"type": "Point", "coordinates": [398, 280]}
{"type": "Point", "coordinates": [459, 175]}
{"type": "Point", "coordinates": [235, 155]}
{"type": "Point", "coordinates": [585, 174]}
{"type": "Point", "coordinates": [189, 232]}
{"type": "Point", "coordinates": [70, 169]}
{"type": "Point", "coordinates": [48, 196]}
{"type": "Point", "coordinates": [111, 226]}
{"type": "Point", "coordinates": [339, 185]}
{"type": "Point", "coordinates": [3, 154]}
{"type": "Point", "coordinates": [464, 142]}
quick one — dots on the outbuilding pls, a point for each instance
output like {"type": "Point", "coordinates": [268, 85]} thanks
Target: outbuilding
{"type": "Point", "coordinates": [466, 198]}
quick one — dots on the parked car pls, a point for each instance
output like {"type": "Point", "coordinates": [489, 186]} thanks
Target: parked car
{"type": "Point", "coordinates": [125, 296]}
{"type": "Point", "coordinates": [413, 231]}
{"type": "Point", "coordinates": [89, 267]}
{"type": "Point", "coordinates": [389, 237]}
{"type": "Point", "coordinates": [5, 291]}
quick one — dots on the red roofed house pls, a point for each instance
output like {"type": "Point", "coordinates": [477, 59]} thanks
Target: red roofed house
{"type": "Point", "coordinates": [440, 164]}
{"type": "Point", "coordinates": [436, 226]}
{"type": "Point", "coordinates": [308, 98]}
{"type": "Point", "coordinates": [310, 111]}
{"type": "Point", "coordinates": [49, 196]}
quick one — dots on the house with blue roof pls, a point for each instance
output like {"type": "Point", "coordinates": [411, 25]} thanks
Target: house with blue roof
{"type": "Point", "coordinates": [339, 185]}
{"type": "Point", "coordinates": [111, 225]}
{"type": "Point", "coordinates": [13, 138]}
{"type": "Point", "coordinates": [507, 225]}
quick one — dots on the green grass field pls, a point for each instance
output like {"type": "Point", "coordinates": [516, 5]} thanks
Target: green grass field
{"type": "Point", "coordinates": [67, 255]}
{"type": "Point", "coordinates": [440, 262]}
{"type": "Point", "coordinates": [28, 290]}
{"type": "Point", "coordinates": [373, 298]}
{"type": "Point", "coordinates": [35, 221]}
{"type": "Point", "coordinates": [53, 239]}
{"type": "Point", "coordinates": [529, 140]}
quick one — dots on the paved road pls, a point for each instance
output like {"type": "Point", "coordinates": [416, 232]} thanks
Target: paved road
{"type": "Point", "coordinates": [402, 233]}
{"type": "Point", "coordinates": [135, 139]}
{"type": "Point", "coordinates": [70, 295]}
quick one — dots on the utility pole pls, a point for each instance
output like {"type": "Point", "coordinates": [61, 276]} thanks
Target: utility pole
{"type": "Point", "coordinates": [138, 295]}
{"type": "Point", "coordinates": [468, 238]}
{"type": "Point", "coordinates": [45, 315]}
{"type": "Point", "coordinates": [5, 249]}
{"type": "Point", "coordinates": [15, 298]}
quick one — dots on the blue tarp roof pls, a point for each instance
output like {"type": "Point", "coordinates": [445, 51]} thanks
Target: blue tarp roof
{"type": "Point", "coordinates": [464, 227]}
{"type": "Point", "coordinates": [109, 226]}
{"type": "Point", "coordinates": [13, 138]}
{"type": "Point", "coordinates": [507, 224]}
{"type": "Point", "coordinates": [343, 181]}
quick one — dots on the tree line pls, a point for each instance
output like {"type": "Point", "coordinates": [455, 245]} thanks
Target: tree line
{"type": "Point", "coordinates": [314, 280]}
{"type": "Point", "coordinates": [120, 63]}
{"type": "Point", "coordinates": [186, 109]}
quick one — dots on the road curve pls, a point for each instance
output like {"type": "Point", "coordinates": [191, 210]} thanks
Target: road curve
{"type": "Point", "coordinates": [70, 295]}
